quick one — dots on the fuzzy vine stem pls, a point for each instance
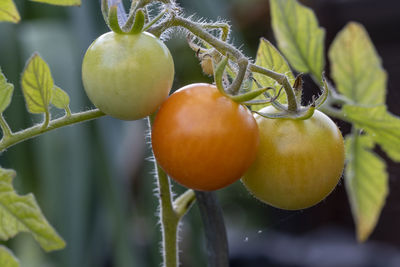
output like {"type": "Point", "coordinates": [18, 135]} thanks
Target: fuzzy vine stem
{"type": "Point", "coordinates": [17, 137]}
{"type": "Point", "coordinates": [171, 213]}
{"type": "Point", "coordinates": [225, 48]}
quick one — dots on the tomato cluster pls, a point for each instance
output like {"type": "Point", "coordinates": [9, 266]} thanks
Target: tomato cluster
{"type": "Point", "coordinates": [202, 138]}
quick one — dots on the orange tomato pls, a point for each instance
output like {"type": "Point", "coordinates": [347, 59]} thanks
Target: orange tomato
{"type": "Point", "coordinates": [203, 139]}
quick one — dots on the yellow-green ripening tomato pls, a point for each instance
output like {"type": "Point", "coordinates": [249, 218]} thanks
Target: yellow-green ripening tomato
{"type": "Point", "coordinates": [127, 76]}
{"type": "Point", "coordinates": [298, 163]}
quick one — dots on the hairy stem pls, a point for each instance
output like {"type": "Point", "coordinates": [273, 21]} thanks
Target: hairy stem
{"type": "Point", "coordinates": [225, 48]}
{"type": "Point", "coordinates": [170, 213]}
{"type": "Point", "coordinates": [15, 138]}
{"type": "Point", "coordinates": [282, 80]}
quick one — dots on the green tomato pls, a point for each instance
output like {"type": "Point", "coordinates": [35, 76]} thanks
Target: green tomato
{"type": "Point", "coordinates": [127, 76]}
{"type": "Point", "coordinates": [298, 163]}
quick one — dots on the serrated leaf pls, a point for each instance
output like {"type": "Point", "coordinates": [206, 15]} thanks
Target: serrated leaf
{"type": "Point", "coordinates": [6, 91]}
{"type": "Point", "coordinates": [366, 183]}
{"type": "Point", "coordinates": [356, 66]}
{"type": "Point", "coordinates": [269, 57]}
{"type": "Point", "coordinates": [59, 98]}
{"type": "Point", "coordinates": [8, 11]}
{"type": "Point", "coordinates": [383, 127]}
{"type": "Point", "coordinates": [299, 36]}
{"type": "Point", "coordinates": [7, 258]}
{"type": "Point", "coordinates": [22, 214]}
{"type": "Point", "coordinates": [37, 85]}
{"type": "Point", "coordinates": [60, 2]}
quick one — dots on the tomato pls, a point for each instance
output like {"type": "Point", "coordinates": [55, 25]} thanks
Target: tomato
{"type": "Point", "coordinates": [127, 76]}
{"type": "Point", "coordinates": [203, 139]}
{"type": "Point", "coordinates": [299, 162]}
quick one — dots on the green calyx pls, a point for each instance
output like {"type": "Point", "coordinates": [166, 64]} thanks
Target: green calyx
{"type": "Point", "coordinates": [133, 25]}
{"type": "Point", "coordinates": [115, 14]}
{"type": "Point", "coordinates": [304, 112]}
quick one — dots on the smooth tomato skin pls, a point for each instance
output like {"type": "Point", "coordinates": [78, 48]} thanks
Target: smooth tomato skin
{"type": "Point", "coordinates": [127, 76]}
{"type": "Point", "coordinates": [202, 139]}
{"type": "Point", "coordinates": [299, 162]}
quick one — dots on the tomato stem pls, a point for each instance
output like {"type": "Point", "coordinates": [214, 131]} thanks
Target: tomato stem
{"type": "Point", "coordinates": [17, 137]}
{"type": "Point", "coordinates": [4, 127]}
{"type": "Point", "coordinates": [225, 48]}
{"type": "Point", "coordinates": [214, 228]}
{"type": "Point", "coordinates": [170, 213]}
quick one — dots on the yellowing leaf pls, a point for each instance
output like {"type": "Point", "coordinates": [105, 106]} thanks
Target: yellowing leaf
{"type": "Point", "coordinates": [8, 11]}
{"type": "Point", "coordinates": [366, 182]}
{"type": "Point", "coordinates": [22, 214]}
{"type": "Point", "coordinates": [7, 259]}
{"type": "Point", "coordinates": [356, 66]}
{"type": "Point", "coordinates": [6, 91]}
{"type": "Point", "coordinates": [37, 85]}
{"type": "Point", "coordinates": [60, 2]}
{"type": "Point", "coordinates": [383, 127]}
{"type": "Point", "coordinates": [299, 36]}
{"type": "Point", "coordinates": [269, 57]}
{"type": "Point", "coordinates": [59, 98]}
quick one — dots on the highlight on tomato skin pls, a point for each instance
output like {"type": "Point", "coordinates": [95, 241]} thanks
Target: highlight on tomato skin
{"type": "Point", "coordinates": [202, 139]}
{"type": "Point", "coordinates": [299, 162]}
{"type": "Point", "coordinates": [127, 76]}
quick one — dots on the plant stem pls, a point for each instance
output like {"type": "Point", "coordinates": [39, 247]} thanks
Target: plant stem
{"type": "Point", "coordinates": [282, 80]}
{"type": "Point", "coordinates": [46, 119]}
{"type": "Point", "coordinates": [170, 213]}
{"type": "Point", "coordinates": [15, 138]}
{"type": "Point", "coordinates": [214, 228]}
{"type": "Point", "coordinates": [4, 127]}
{"type": "Point", "coordinates": [169, 220]}
{"type": "Point", "coordinates": [224, 48]}
{"type": "Point", "coordinates": [334, 112]}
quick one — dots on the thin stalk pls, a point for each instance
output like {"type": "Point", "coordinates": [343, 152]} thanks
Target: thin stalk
{"type": "Point", "coordinates": [38, 129]}
{"type": "Point", "coordinates": [169, 220]}
{"type": "Point", "coordinates": [282, 80]}
{"type": "Point", "coordinates": [46, 119]}
{"type": "Point", "coordinates": [225, 48]}
{"type": "Point", "coordinates": [4, 127]}
{"type": "Point", "coordinates": [334, 112]}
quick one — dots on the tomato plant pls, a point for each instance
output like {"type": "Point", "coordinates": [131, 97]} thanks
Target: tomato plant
{"type": "Point", "coordinates": [299, 162]}
{"type": "Point", "coordinates": [127, 76]}
{"type": "Point", "coordinates": [203, 139]}
{"type": "Point", "coordinates": [204, 136]}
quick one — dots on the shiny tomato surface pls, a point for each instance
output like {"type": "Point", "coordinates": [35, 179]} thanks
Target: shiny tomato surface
{"type": "Point", "coordinates": [299, 162]}
{"type": "Point", "coordinates": [202, 139]}
{"type": "Point", "coordinates": [127, 76]}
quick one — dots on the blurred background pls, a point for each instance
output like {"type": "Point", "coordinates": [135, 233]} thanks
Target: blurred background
{"type": "Point", "coordinates": [94, 181]}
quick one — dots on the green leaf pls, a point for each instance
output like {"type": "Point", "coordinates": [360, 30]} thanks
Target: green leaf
{"type": "Point", "coordinates": [6, 91]}
{"type": "Point", "coordinates": [60, 2]}
{"type": "Point", "coordinates": [8, 11]}
{"type": "Point", "coordinates": [366, 183]}
{"type": "Point", "coordinates": [383, 127]}
{"type": "Point", "coordinates": [7, 258]}
{"type": "Point", "coordinates": [22, 214]}
{"type": "Point", "coordinates": [37, 85]}
{"type": "Point", "coordinates": [356, 66]}
{"type": "Point", "coordinates": [60, 98]}
{"type": "Point", "coordinates": [269, 57]}
{"type": "Point", "coordinates": [299, 36]}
